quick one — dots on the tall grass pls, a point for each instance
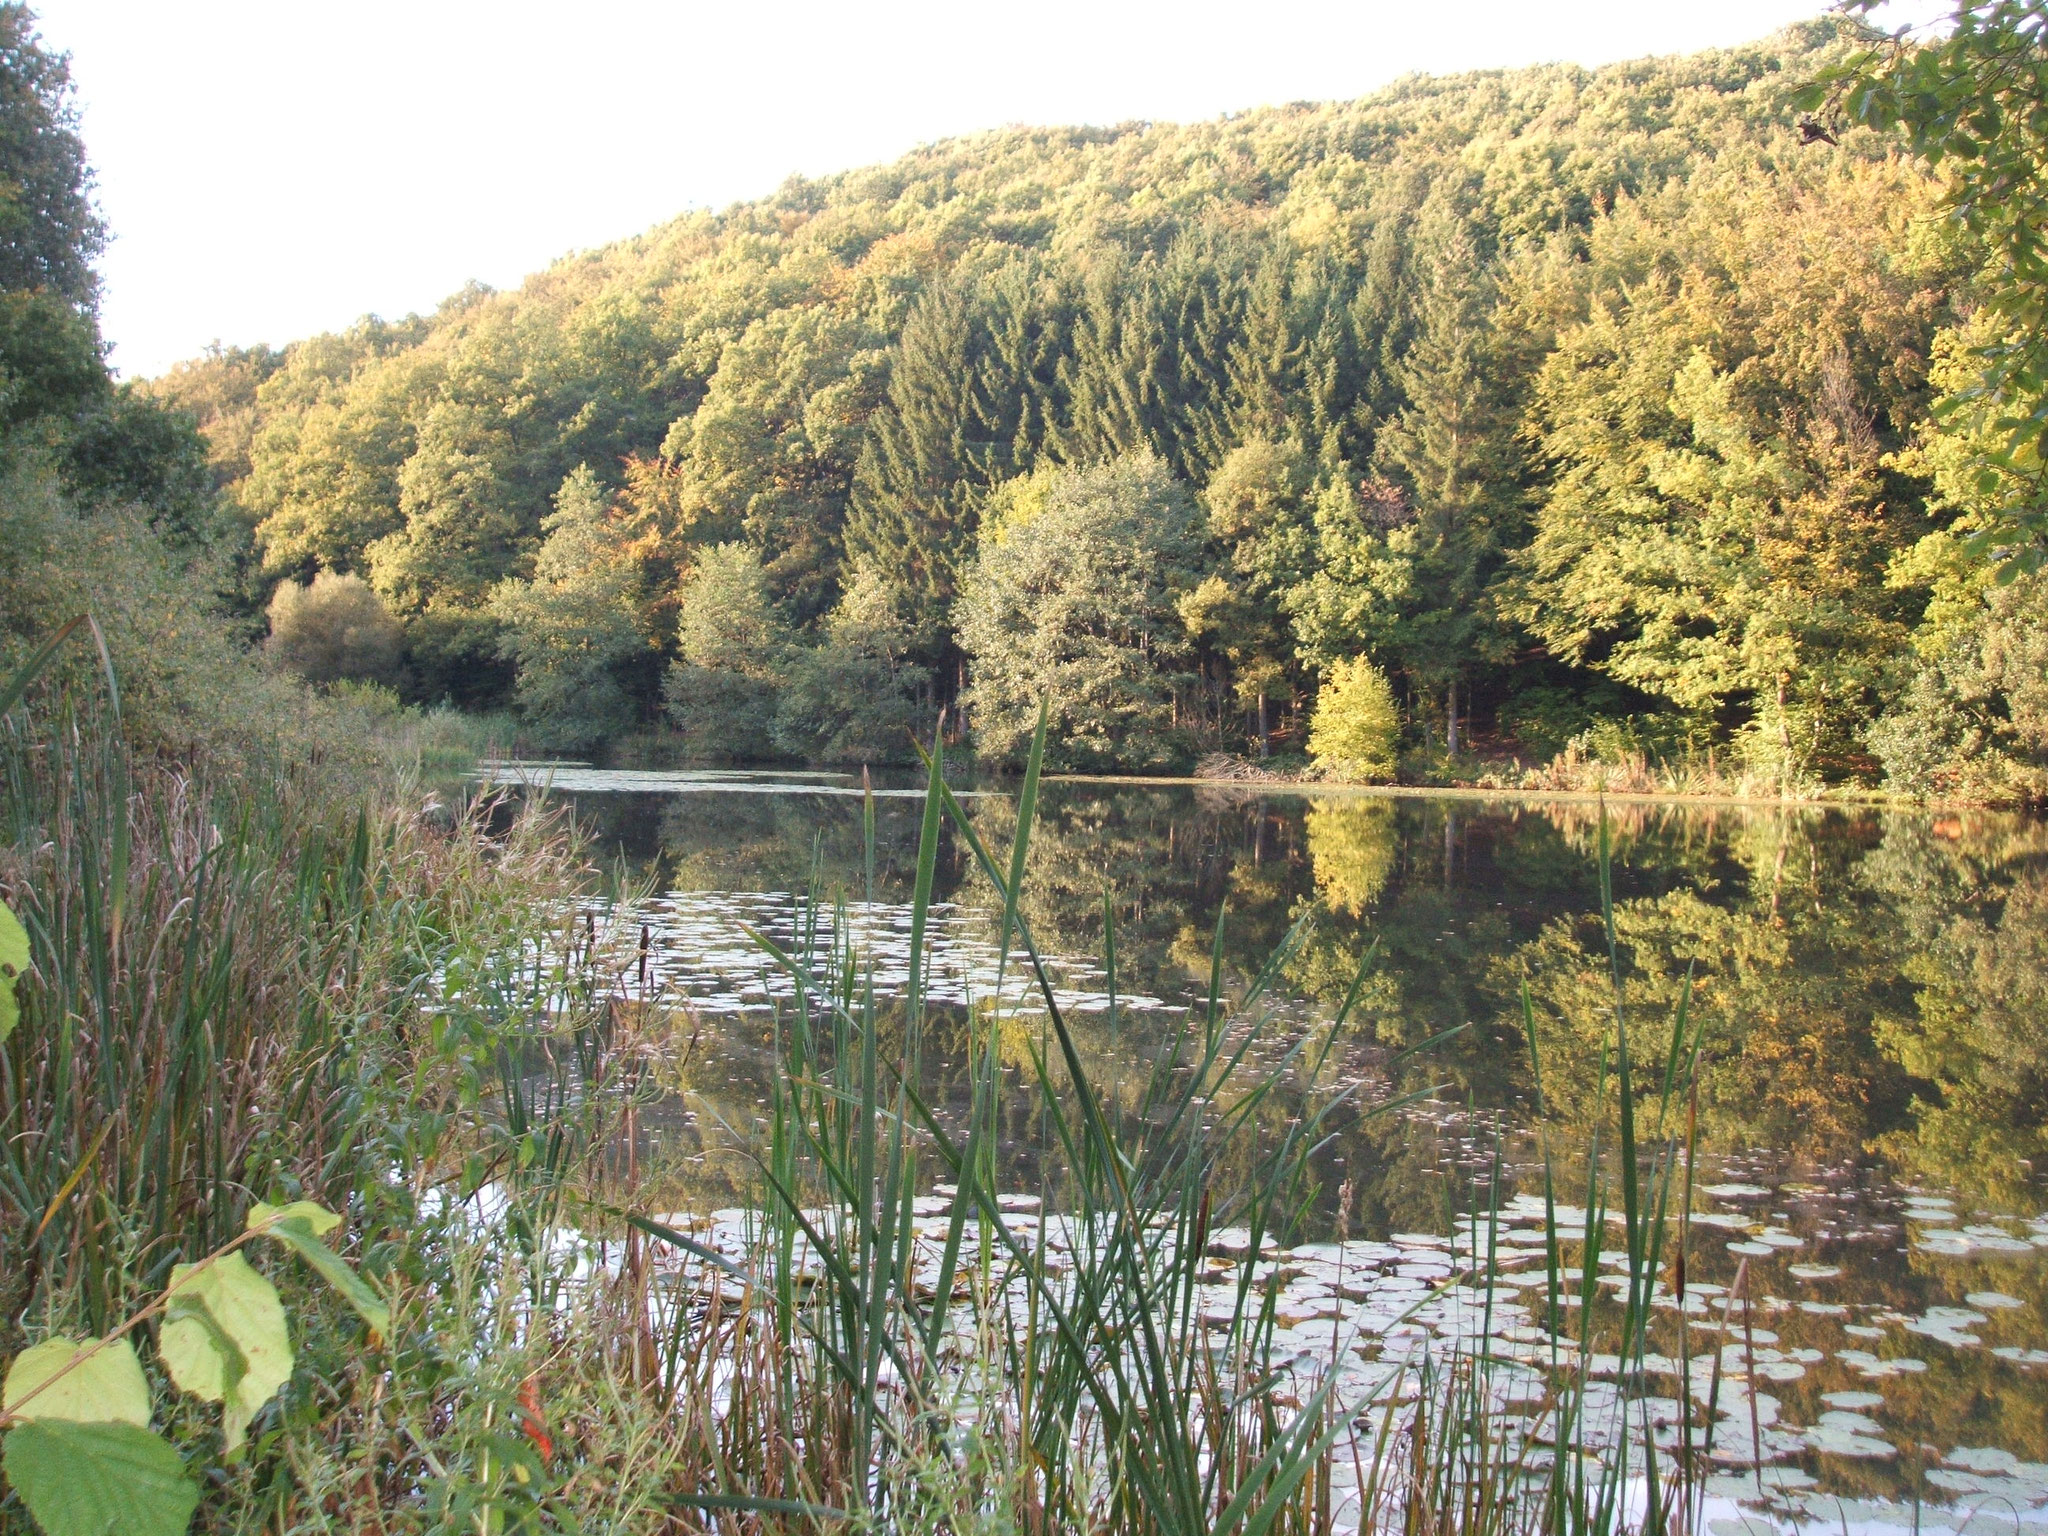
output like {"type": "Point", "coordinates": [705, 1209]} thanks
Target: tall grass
{"type": "Point", "coordinates": [220, 969]}
{"type": "Point", "coordinates": [1084, 1389]}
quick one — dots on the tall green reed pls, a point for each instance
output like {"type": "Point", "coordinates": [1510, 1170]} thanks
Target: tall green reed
{"type": "Point", "coordinates": [1101, 1394]}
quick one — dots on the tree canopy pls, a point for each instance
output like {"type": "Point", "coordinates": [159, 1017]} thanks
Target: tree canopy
{"type": "Point", "coordinates": [1560, 395]}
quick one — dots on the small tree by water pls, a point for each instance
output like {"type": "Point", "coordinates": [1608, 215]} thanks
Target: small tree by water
{"type": "Point", "coordinates": [1356, 724]}
{"type": "Point", "coordinates": [335, 630]}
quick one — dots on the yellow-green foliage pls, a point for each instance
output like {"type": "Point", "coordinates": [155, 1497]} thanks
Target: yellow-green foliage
{"type": "Point", "coordinates": [1356, 725]}
{"type": "Point", "coordinates": [335, 630]}
{"type": "Point", "coordinates": [1352, 846]}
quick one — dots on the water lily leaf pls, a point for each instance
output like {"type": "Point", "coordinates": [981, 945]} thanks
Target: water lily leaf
{"type": "Point", "coordinates": [13, 963]}
{"type": "Point", "coordinates": [93, 1479]}
{"type": "Point", "coordinates": [301, 1233]}
{"type": "Point", "coordinates": [105, 1386]}
{"type": "Point", "coordinates": [243, 1312]}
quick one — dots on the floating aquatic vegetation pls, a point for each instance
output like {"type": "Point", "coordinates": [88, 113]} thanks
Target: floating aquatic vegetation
{"type": "Point", "coordinates": [701, 952]}
{"type": "Point", "coordinates": [1993, 1301]}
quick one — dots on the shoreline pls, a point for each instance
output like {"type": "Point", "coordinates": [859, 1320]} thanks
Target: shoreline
{"type": "Point", "coordinates": [1833, 800]}
{"type": "Point", "coordinates": [1832, 797]}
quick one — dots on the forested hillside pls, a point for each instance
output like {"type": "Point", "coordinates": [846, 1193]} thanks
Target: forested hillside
{"type": "Point", "coordinates": [1591, 407]}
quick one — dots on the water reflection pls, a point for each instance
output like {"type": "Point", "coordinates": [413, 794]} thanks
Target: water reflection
{"type": "Point", "coordinates": [1872, 985]}
{"type": "Point", "coordinates": [1871, 989]}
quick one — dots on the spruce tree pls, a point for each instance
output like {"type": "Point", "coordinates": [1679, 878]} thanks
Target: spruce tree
{"type": "Point", "coordinates": [1452, 449]}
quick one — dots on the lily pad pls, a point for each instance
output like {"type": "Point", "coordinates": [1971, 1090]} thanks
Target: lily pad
{"type": "Point", "coordinates": [1814, 1271]}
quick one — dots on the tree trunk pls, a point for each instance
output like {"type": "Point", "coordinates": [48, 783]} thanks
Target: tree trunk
{"type": "Point", "coordinates": [1264, 733]}
{"type": "Point", "coordinates": [1451, 718]}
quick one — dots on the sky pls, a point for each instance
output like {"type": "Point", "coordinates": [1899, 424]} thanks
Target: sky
{"type": "Point", "coordinates": [275, 168]}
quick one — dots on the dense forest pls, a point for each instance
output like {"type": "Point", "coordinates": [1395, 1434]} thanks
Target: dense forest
{"type": "Point", "coordinates": [1593, 408]}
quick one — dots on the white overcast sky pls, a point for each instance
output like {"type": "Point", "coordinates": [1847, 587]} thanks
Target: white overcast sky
{"type": "Point", "coordinates": [272, 168]}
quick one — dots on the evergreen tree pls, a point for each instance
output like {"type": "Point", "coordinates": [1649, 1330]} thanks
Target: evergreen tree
{"type": "Point", "coordinates": [1452, 449]}
{"type": "Point", "coordinates": [50, 232]}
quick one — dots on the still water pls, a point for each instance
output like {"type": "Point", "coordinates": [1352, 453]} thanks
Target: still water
{"type": "Point", "coordinates": [1873, 1092]}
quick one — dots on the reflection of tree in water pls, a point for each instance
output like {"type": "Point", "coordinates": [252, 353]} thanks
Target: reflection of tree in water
{"type": "Point", "coordinates": [1167, 862]}
{"type": "Point", "coordinates": [1865, 981]}
{"type": "Point", "coordinates": [1787, 970]}
{"type": "Point", "coordinates": [769, 842]}
{"type": "Point", "coordinates": [1868, 983]}
{"type": "Point", "coordinates": [1971, 902]}
{"type": "Point", "coordinates": [1352, 844]}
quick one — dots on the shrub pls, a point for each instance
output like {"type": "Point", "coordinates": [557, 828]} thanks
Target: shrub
{"type": "Point", "coordinates": [843, 706]}
{"type": "Point", "coordinates": [720, 716]}
{"type": "Point", "coordinates": [188, 684]}
{"type": "Point", "coordinates": [1356, 726]}
{"type": "Point", "coordinates": [336, 630]}
{"type": "Point", "coordinates": [1972, 724]}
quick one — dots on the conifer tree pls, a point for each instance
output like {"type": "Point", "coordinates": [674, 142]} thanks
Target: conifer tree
{"type": "Point", "coordinates": [1452, 449]}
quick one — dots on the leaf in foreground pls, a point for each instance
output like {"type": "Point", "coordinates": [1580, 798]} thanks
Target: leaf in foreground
{"type": "Point", "coordinates": [300, 1226]}
{"type": "Point", "coordinates": [225, 1341]}
{"type": "Point", "coordinates": [96, 1479]}
{"type": "Point", "coordinates": [106, 1385]}
{"type": "Point", "coordinates": [13, 963]}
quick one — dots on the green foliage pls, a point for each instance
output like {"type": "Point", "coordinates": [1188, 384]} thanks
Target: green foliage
{"type": "Point", "coordinates": [79, 1449]}
{"type": "Point", "coordinates": [302, 1226]}
{"type": "Point", "coordinates": [1719, 408]}
{"type": "Point", "coordinates": [58, 404]}
{"type": "Point", "coordinates": [49, 229]}
{"type": "Point", "coordinates": [1074, 601]}
{"type": "Point", "coordinates": [857, 697]}
{"type": "Point", "coordinates": [87, 1479]}
{"type": "Point", "coordinates": [336, 629]}
{"type": "Point", "coordinates": [732, 647]}
{"type": "Point", "coordinates": [1356, 727]}
{"type": "Point", "coordinates": [570, 631]}
{"type": "Point", "coordinates": [224, 1340]}
{"type": "Point", "coordinates": [1330, 324]}
{"type": "Point", "coordinates": [86, 1381]}
{"type": "Point", "coordinates": [1256, 502]}
{"type": "Point", "coordinates": [1972, 724]}
{"type": "Point", "coordinates": [1566, 395]}
{"type": "Point", "coordinates": [13, 967]}
{"type": "Point", "coordinates": [1969, 98]}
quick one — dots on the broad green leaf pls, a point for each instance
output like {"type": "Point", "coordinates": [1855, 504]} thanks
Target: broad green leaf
{"type": "Point", "coordinates": [105, 1386]}
{"type": "Point", "coordinates": [200, 1355]}
{"type": "Point", "coordinates": [244, 1308]}
{"type": "Point", "coordinates": [314, 1214]}
{"type": "Point", "coordinates": [99, 1479]}
{"type": "Point", "coordinates": [13, 962]}
{"type": "Point", "coordinates": [303, 1238]}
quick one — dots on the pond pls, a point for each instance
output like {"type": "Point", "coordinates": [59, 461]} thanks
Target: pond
{"type": "Point", "coordinates": [1870, 988]}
